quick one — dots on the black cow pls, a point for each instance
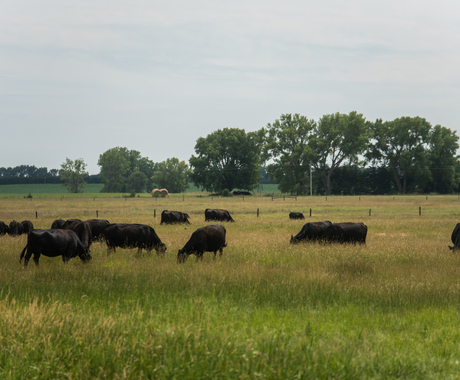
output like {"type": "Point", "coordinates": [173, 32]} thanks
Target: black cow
{"type": "Point", "coordinates": [82, 230]}
{"type": "Point", "coordinates": [217, 214]}
{"type": "Point", "coordinates": [206, 239]}
{"type": "Point", "coordinates": [3, 228]}
{"type": "Point", "coordinates": [53, 243]}
{"type": "Point", "coordinates": [346, 233]}
{"type": "Point", "coordinates": [57, 224]}
{"type": "Point", "coordinates": [15, 228]}
{"type": "Point", "coordinates": [97, 227]}
{"type": "Point", "coordinates": [241, 193]}
{"type": "Point", "coordinates": [455, 238]}
{"type": "Point", "coordinates": [296, 215]}
{"type": "Point", "coordinates": [171, 217]}
{"type": "Point", "coordinates": [132, 236]}
{"type": "Point", "coordinates": [311, 231]}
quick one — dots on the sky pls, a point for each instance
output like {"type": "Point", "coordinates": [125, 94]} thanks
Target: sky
{"type": "Point", "coordinates": [80, 77]}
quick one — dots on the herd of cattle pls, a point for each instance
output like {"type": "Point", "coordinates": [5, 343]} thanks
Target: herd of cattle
{"type": "Point", "coordinates": [73, 237]}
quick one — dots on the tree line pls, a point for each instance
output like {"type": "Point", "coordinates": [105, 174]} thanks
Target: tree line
{"type": "Point", "coordinates": [344, 154]}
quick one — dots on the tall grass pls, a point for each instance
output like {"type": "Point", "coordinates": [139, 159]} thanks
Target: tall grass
{"type": "Point", "coordinates": [266, 309]}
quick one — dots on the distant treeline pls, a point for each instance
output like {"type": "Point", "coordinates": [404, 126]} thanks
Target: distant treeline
{"type": "Point", "coordinates": [27, 174]}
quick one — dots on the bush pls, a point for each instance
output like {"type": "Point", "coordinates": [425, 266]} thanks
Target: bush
{"type": "Point", "coordinates": [226, 193]}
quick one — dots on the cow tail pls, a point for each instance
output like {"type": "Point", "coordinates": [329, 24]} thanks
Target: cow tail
{"type": "Point", "coordinates": [23, 252]}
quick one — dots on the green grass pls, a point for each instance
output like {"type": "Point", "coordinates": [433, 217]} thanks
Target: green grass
{"type": "Point", "coordinates": [92, 189]}
{"type": "Point", "coordinates": [265, 309]}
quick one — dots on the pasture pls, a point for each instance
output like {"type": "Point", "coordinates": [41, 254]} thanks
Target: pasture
{"type": "Point", "coordinates": [266, 309]}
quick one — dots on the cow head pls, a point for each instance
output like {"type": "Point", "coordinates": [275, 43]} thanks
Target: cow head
{"type": "Point", "coordinates": [161, 249]}
{"type": "Point", "coordinates": [85, 257]}
{"type": "Point", "coordinates": [181, 256]}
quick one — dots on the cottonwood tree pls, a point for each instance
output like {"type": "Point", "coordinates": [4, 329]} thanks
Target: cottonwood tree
{"type": "Point", "coordinates": [120, 170]}
{"type": "Point", "coordinates": [336, 138]}
{"type": "Point", "coordinates": [286, 145]}
{"type": "Point", "coordinates": [402, 145]}
{"type": "Point", "coordinates": [172, 175]}
{"type": "Point", "coordinates": [442, 147]}
{"type": "Point", "coordinates": [73, 175]}
{"type": "Point", "coordinates": [227, 159]}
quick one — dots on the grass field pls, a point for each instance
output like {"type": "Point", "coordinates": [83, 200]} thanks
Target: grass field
{"type": "Point", "coordinates": [91, 190]}
{"type": "Point", "coordinates": [265, 309]}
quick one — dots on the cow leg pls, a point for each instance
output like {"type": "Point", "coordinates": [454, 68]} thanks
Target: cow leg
{"type": "Point", "coordinates": [110, 250]}
{"type": "Point", "coordinates": [221, 251]}
{"type": "Point", "coordinates": [215, 253]}
{"type": "Point", "coordinates": [36, 258]}
{"type": "Point", "coordinates": [27, 258]}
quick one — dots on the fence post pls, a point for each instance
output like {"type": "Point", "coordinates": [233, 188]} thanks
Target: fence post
{"type": "Point", "coordinates": [310, 212]}
{"type": "Point", "coordinates": [257, 212]}
{"type": "Point", "coordinates": [369, 212]}
{"type": "Point", "coordinates": [154, 212]}
{"type": "Point", "coordinates": [419, 211]}
{"type": "Point", "coordinates": [97, 214]}
{"type": "Point", "coordinates": [36, 214]}
{"type": "Point", "coordinates": [243, 199]}
{"type": "Point", "coordinates": [284, 197]}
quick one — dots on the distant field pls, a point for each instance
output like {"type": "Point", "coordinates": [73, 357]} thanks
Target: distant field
{"type": "Point", "coordinates": [90, 190]}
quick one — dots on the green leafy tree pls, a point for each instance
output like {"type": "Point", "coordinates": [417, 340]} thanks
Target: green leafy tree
{"type": "Point", "coordinates": [442, 146]}
{"type": "Point", "coordinates": [137, 182]}
{"type": "Point", "coordinates": [114, 168]}
{"type": "Point", "coordinates": [73, 175]}
{"type": "Point", "coordinates": [287, 146]}
{"type": "Point", "coordinates": [120, 164]}
{"type": "Point", "coordinates": [172, 175]}
{"type": "Point", "coordinates": [402, 146]}
{"type": "Point", "coordinates": [227, 159]}
{"type": "Point", "coordinates": [336, 139]}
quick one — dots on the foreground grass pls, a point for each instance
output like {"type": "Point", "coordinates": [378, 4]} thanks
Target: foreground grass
{"type": "Point", "coordinates": [266, 309]}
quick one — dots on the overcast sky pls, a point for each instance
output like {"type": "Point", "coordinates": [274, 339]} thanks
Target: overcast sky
{"type": "Point", "coordinates": [80, 77]}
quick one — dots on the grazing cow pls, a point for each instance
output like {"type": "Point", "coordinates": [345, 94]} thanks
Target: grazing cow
{"type": "Point", "coordinates": [296, 215]}
{"type": "Point", "coordinates": [82, 230]}
{"type": "Point", "coordinates": [455, 238]}
{"type": "Point", "coordinates": [206, 239]}
{"type": "Point", "coordinates": [346, 233]}
{"type": "Point", "coordinates": [97, 227]}
{"type": "Point", "coordinates": [53, 243]}
{"type": "Point", "coordinates": [132, 236]}
{"type": "Point", "coordinates": [218, 215]}
{"type": "Point", "coordinates": [15, 228]}
{"type": "Point", "coordinates": [57, 224]}
{"type": "Point", "coordinates": [311, 231]}
{"type": "Point", "coordinates": [171, 217]}
{"type": "Point", "coordinates": [3, 228]}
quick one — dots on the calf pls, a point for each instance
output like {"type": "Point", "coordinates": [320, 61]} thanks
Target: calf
{"type": "Point", "coordinates": [296, 215]}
